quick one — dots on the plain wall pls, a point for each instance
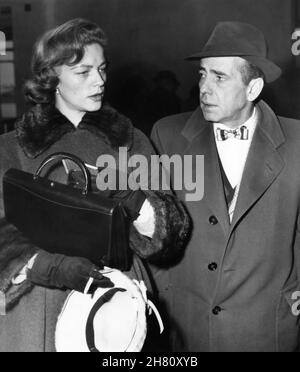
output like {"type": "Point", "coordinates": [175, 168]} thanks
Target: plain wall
{"type": "Point", "coordinates": [150, 35]}
{"type": "Point", "coordinates": [158, 34]}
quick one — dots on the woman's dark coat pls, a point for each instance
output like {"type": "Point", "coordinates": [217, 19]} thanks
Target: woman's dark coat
{"type": "Point", "coordinates": [31, 311]}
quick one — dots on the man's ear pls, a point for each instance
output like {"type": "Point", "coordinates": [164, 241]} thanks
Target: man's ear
{"type": "Point", "coordinates": [254, 89]}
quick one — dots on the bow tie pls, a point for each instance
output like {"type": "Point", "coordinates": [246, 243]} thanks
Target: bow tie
{"type": "Point", "coordinates": [241, 133]}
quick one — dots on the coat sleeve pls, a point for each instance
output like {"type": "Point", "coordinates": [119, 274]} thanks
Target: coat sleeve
{"type": "Point", "coordinates": [15, 251]}
{"type": "Point", "coordinates": [172, 222]}
{"type": "Point", "coordinates": [172, 225]}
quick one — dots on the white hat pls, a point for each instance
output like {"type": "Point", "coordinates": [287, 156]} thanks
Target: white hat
{"type": "Point", "coordinates": [110, 320]}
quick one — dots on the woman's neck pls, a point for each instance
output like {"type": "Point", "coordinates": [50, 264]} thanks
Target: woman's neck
{"type": "Point", "coordinates": [75, 117]}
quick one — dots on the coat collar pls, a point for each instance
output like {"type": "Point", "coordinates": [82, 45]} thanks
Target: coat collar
{"type": "Point", "coordinates": [43, 125]}
{"type": "Point", "coordinates": [268, 124]}
{"type": "Point", "coordinates": [195, 125]}
{"type": "Point", "coordinates": [200, 135]}
{"type": "Point", "coordinates": [264, 163]}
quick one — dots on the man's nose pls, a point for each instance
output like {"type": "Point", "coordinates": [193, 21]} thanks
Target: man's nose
{"type": "Point", "coordinates": [204, 85]}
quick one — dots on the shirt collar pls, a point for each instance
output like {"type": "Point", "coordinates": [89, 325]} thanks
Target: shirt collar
{"type": "Point", "coordinates": [249, 123]}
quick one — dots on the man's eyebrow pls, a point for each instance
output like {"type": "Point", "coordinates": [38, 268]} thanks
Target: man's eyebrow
{"type": "Point", "coordinates": [222, 73]}
{"type": "Point", "coordinates": [216, 72]}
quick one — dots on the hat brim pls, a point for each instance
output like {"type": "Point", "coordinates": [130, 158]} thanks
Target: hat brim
{"type": "Point", "coordinates": [118, 323]}
{"type": "Point", "coordinates": [270, 69]}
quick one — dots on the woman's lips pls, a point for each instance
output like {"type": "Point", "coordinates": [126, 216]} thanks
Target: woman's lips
{"type": "Point", "coordinates": [96, 97]}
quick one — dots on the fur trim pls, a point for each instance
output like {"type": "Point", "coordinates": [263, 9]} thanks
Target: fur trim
{"type": "Point", "coordinates": [43, 125]}
{"type": "Point", "coordinates": [172, 228]}
{"type": "Point", "coordinates": [15, 252]}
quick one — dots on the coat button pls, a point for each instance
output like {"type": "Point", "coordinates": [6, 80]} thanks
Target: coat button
{"type": "Point", "coordinates": [213, 220]}
{"type": "Point", "coordinates": [216, 310]}
{"type": "Point", "coordinates": [212, 266]}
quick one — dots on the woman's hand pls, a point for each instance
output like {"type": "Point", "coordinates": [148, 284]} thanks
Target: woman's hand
{"type": "Point", "coordinates": [59, 271]}
{"type": "Point", "coordinates": [132, 201]}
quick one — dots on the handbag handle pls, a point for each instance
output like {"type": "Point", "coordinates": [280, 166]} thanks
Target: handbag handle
{"type": "Point", "coordinates": [65, 155]}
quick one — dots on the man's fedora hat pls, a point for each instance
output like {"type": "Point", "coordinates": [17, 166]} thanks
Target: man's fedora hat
{"type": "Point", "coordinates": [241, 40]}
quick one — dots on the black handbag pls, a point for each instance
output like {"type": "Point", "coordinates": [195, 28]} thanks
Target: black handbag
{"type": "Point", "coordinates": [61, 219]}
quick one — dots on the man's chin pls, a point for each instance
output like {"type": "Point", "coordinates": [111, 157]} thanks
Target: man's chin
{"type": "Point", "coordinates": [210, 117]}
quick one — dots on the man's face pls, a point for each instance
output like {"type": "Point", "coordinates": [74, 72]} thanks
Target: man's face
{"type": "Point", "coordinates": [223, 95]}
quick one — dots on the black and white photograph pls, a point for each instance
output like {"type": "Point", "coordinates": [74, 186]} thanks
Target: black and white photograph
{"type": "Point", "coordinates": [149, 178]}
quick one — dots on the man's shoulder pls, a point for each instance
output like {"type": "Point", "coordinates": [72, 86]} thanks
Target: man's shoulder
{"type": "Point", "coordinates": [172, 124]}
{"type": "Point", "coordinates": [289, 121]}
{"type": "Point", "coordinates": [290, 126]}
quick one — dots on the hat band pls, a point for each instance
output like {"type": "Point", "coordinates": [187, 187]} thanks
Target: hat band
{"type": "Point", "coordinates": [89, 329]}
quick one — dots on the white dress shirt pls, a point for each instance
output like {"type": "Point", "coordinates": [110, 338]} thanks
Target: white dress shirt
{"type": "Point", "coordinates": [233, 151]}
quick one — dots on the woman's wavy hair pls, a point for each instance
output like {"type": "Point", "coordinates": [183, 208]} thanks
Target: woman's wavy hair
{"type": "Point", "coordinates": [62, 45]}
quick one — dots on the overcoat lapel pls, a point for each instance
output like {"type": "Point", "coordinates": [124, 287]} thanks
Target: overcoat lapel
{"type": "Point", "coordinates": [201, 142]}
{"type": "Point", "coordinates": [263, 164]}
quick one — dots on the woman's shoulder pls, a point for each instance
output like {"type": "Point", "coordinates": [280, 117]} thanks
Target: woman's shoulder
{"type": "Point", "coordinates": [9, 148]}
{"type": "Point", "coordinates": [8, 141]}
{"type": "Point", "coordinates": [141, 143]}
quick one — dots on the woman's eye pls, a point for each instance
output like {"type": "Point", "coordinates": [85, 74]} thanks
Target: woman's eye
{"type": "Point", "coordinates": [83, 72]}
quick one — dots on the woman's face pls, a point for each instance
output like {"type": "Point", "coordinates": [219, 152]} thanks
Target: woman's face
{"type": "Point", "coordinates": [81, 87]}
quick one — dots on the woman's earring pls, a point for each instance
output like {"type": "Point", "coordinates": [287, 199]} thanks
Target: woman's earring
{"type": "Point", "coordinates": [57, 91]}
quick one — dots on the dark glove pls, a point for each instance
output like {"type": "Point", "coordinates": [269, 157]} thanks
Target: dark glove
{"type": "Point", "coordinates": [132, 201]}
{"type": "Point", "coordinates": [59, 271]}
